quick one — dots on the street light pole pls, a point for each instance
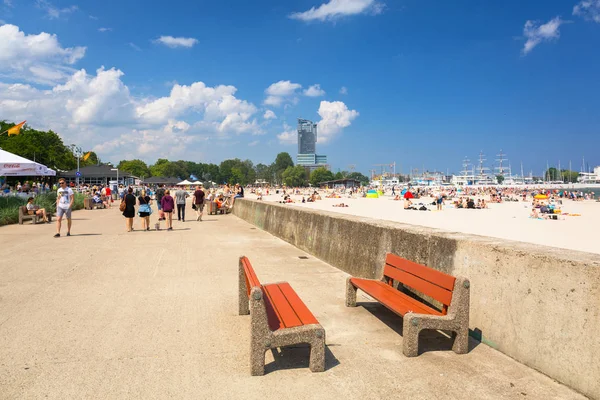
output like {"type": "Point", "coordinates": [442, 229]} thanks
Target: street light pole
{"type": "Point", "coordinates": [78, 152]}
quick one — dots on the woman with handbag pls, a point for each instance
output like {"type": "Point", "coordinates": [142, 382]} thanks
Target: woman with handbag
{"type": "Point", "coordinates": [128, 208]}
{"type": "Point", "coordinates": [144, 210]}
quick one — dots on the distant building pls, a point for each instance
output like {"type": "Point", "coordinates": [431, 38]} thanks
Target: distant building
{"type": "Point", "coordinates": [98, 175]}
{"type": "Point", "coordinates": [307, 137]}
{"type": "Point", "coordinates": [307, 146]}
{"type": "Point", "coordinates": [590, 177]}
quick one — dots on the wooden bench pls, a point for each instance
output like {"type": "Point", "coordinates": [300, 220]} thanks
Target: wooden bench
{"type": "Point", "coordinates": [213, 207]}
{"type": "Point", "coordinates": [451, 313]}
{"type": "Point", "coordinates": [88, 204]}
{"type": "Point", "coordinates": [24, 215]}
{"type": "Point", "coordinates": [278, 318]}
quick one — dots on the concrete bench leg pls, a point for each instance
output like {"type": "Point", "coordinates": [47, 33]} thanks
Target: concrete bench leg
{"type": "Point", "coordinates": [461, 342]}
{"type": "Point", "coordinates": [317, 352]}
{"type": "Point", "coordinates": [257, 358]}
{"type": "Point", "coordinates": [350, 294]}
{"type": "Point", "coordinates": [243, 304]}
{"type": "Point", "coordinates": [410, 335]}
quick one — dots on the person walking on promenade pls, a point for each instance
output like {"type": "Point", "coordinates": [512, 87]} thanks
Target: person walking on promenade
{"type": "Point", "coordinates": [160, 192]}
{"type": "Point", "coordinates": [180, 196]}
{"type": "Point", "coordinates": [64, 202]}
{"type": "Point", "coordinates": [168, 205]}
{"type": "Point", "coordinates": [129, 213]}
{"type": "Point", "coordinates": [144, 210]}
{"type": "Point", "coordinates": [108, 194]}
{"type": "Point", "coordinates": [199, 202]}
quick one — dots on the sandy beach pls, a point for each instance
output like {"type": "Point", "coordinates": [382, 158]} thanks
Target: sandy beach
{"type": "Point", "coordinates": [508, 220]}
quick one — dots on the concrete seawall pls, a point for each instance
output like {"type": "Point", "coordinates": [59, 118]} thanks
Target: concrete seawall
{"type": "Point", "coordinates": [537, 304]}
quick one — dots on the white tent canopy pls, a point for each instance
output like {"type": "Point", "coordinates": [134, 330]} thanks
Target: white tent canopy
{"type": "Point", "coordinates": [183, 183]}
{"type": "Point", "coordinates": [197, 183]}
{"type": "Point", "coordinates": [14, 165]}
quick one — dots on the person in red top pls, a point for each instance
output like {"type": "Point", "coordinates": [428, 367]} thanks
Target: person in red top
{"type": "Point", "coordinates": [108, 194]}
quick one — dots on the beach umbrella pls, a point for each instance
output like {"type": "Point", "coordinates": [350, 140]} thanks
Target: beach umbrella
{"type": "Point", "coordinates": [408, 195]}
{"type": "Point", "coordinates": [541, 197]}
{"type": "Point", "coordinates": [403, 192]}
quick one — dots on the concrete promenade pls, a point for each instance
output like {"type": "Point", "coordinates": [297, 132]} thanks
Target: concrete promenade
{"type": "Point", "coordinates": [106, 314]}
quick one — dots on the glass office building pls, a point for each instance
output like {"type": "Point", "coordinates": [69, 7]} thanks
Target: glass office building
{"type": "Point", "coordinates": [307, 146]}
{"type": "Point", "coordinates": [307, 136]}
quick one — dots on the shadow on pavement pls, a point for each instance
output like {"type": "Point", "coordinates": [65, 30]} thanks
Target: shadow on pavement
{"type": "Point", "coordinates": [429, 339]}
{"type": "Point", "coordinates": [298, 356]}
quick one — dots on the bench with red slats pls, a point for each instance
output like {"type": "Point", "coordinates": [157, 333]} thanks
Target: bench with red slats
{"type": "Point", "coordinates": [434, 284]}
{"type": "Point", "coordinates": [280, 318]}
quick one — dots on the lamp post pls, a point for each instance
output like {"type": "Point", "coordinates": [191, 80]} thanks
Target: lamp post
{"type": "Point", "coordinates": [77, 152]}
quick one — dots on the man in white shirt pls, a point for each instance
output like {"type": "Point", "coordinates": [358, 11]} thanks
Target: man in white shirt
{"type": "Point", "coordinates": [64, 203]}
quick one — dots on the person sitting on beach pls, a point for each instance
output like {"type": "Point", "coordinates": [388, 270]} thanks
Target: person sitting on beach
{"type": "Point", "coordinates": [470, 203]}
{"type": "Point", "coordinates": [34, 209]}
{"type": "Point", "coordinates": [397, 197]}
{"type": "Point", "coordinates": [340, 205]}
{"type": "Point", "coordinates": [407, 204]}
{"type": "Point", "coordinates": [483, 204]}
{"type": "Point", "coordinates": [534, 214]}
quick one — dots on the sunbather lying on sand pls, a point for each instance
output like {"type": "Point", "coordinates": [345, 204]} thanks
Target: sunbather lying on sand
{"type": "Point", "coordinates": [340, 205]}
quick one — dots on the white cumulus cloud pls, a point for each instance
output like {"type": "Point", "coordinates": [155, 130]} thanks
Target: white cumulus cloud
{"type": "Point", "coordinates": [335, 116]}
{"type": "Point", "coordinates": [288, 136]}
{"type": "Point", "coordinates": [344, 90]}
{"type": "Point", "coordinates": [54, 12]}
{"type": "Point", "coordinates": [588, 9]}
{"type": "Point", "coordinates": [269, 115]}
{"type": "Point", "coordinates": [314, 91]}
{"type": "Point", "coordinates": [336, 9]}
{"type": "Point", "coordinates": [38, 58]}
{"type": "Point", "coordinates": [536, 34]}
{"type": "Point", "coordinates": [174, 42]}
{"type": "Point", "coordinates": [280, 92]}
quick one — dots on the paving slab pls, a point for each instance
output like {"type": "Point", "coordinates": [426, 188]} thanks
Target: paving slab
{"type": "Point", "coordinates": [106, 314]}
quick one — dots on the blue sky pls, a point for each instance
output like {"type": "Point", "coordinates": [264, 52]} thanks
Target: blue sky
{"type": "Point", "coordinates": [419, 83]}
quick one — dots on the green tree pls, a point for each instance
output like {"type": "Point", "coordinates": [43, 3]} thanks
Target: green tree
{"type": "Point", "coordinates": [569, 176]}
{"type": "Point", "coordinates": [320, 175]}
{"type": "Point", "coordinates": [500, 179]}
{"type": "Point", "coordinates": [44, 147]}
{"type": "Point", "coordinates": [338, 175]}
{"type": "Point", "coordinates": [282, 161]}
{"type": "Point", "coordinates": [135, 167]}
{"type": "Point", "coordinates": [264, 172]}
{"type": "Point", "coordinates": [294, 176]}
{"type": "Point", "coordinates": [551, 174]}
{"type": "Point", "coordinates": [166, 168]}
{"type": "Point", "coordinates": [364, 180]}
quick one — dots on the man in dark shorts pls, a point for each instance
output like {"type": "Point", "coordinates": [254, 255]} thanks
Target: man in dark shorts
{"type": "Point", "coordinates": [199, 201]}
{"type": "Point", "coordinates": [160, 192]}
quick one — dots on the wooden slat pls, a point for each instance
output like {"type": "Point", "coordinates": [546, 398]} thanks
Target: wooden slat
{"type": "Point", "coordinates": [251, 278]}
{"type": "Point", "coordinates": [301, 310]}
{"type": "Point", "coordinates": [272, 318]}
{"type": "Point", "coordinates": [393, 299]}
{"type": "Point", "coordinates": [429, 274]}
{"type": "Point", "coordinates": [282, 307]}
{"type": "Point", "coordinates": [440, 294]}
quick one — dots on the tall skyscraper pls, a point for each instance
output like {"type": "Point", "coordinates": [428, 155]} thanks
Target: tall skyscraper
{"type": "Point", "coordinates": [307, 146]}
{"type": "Point", "coordinates": [307, 137]}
